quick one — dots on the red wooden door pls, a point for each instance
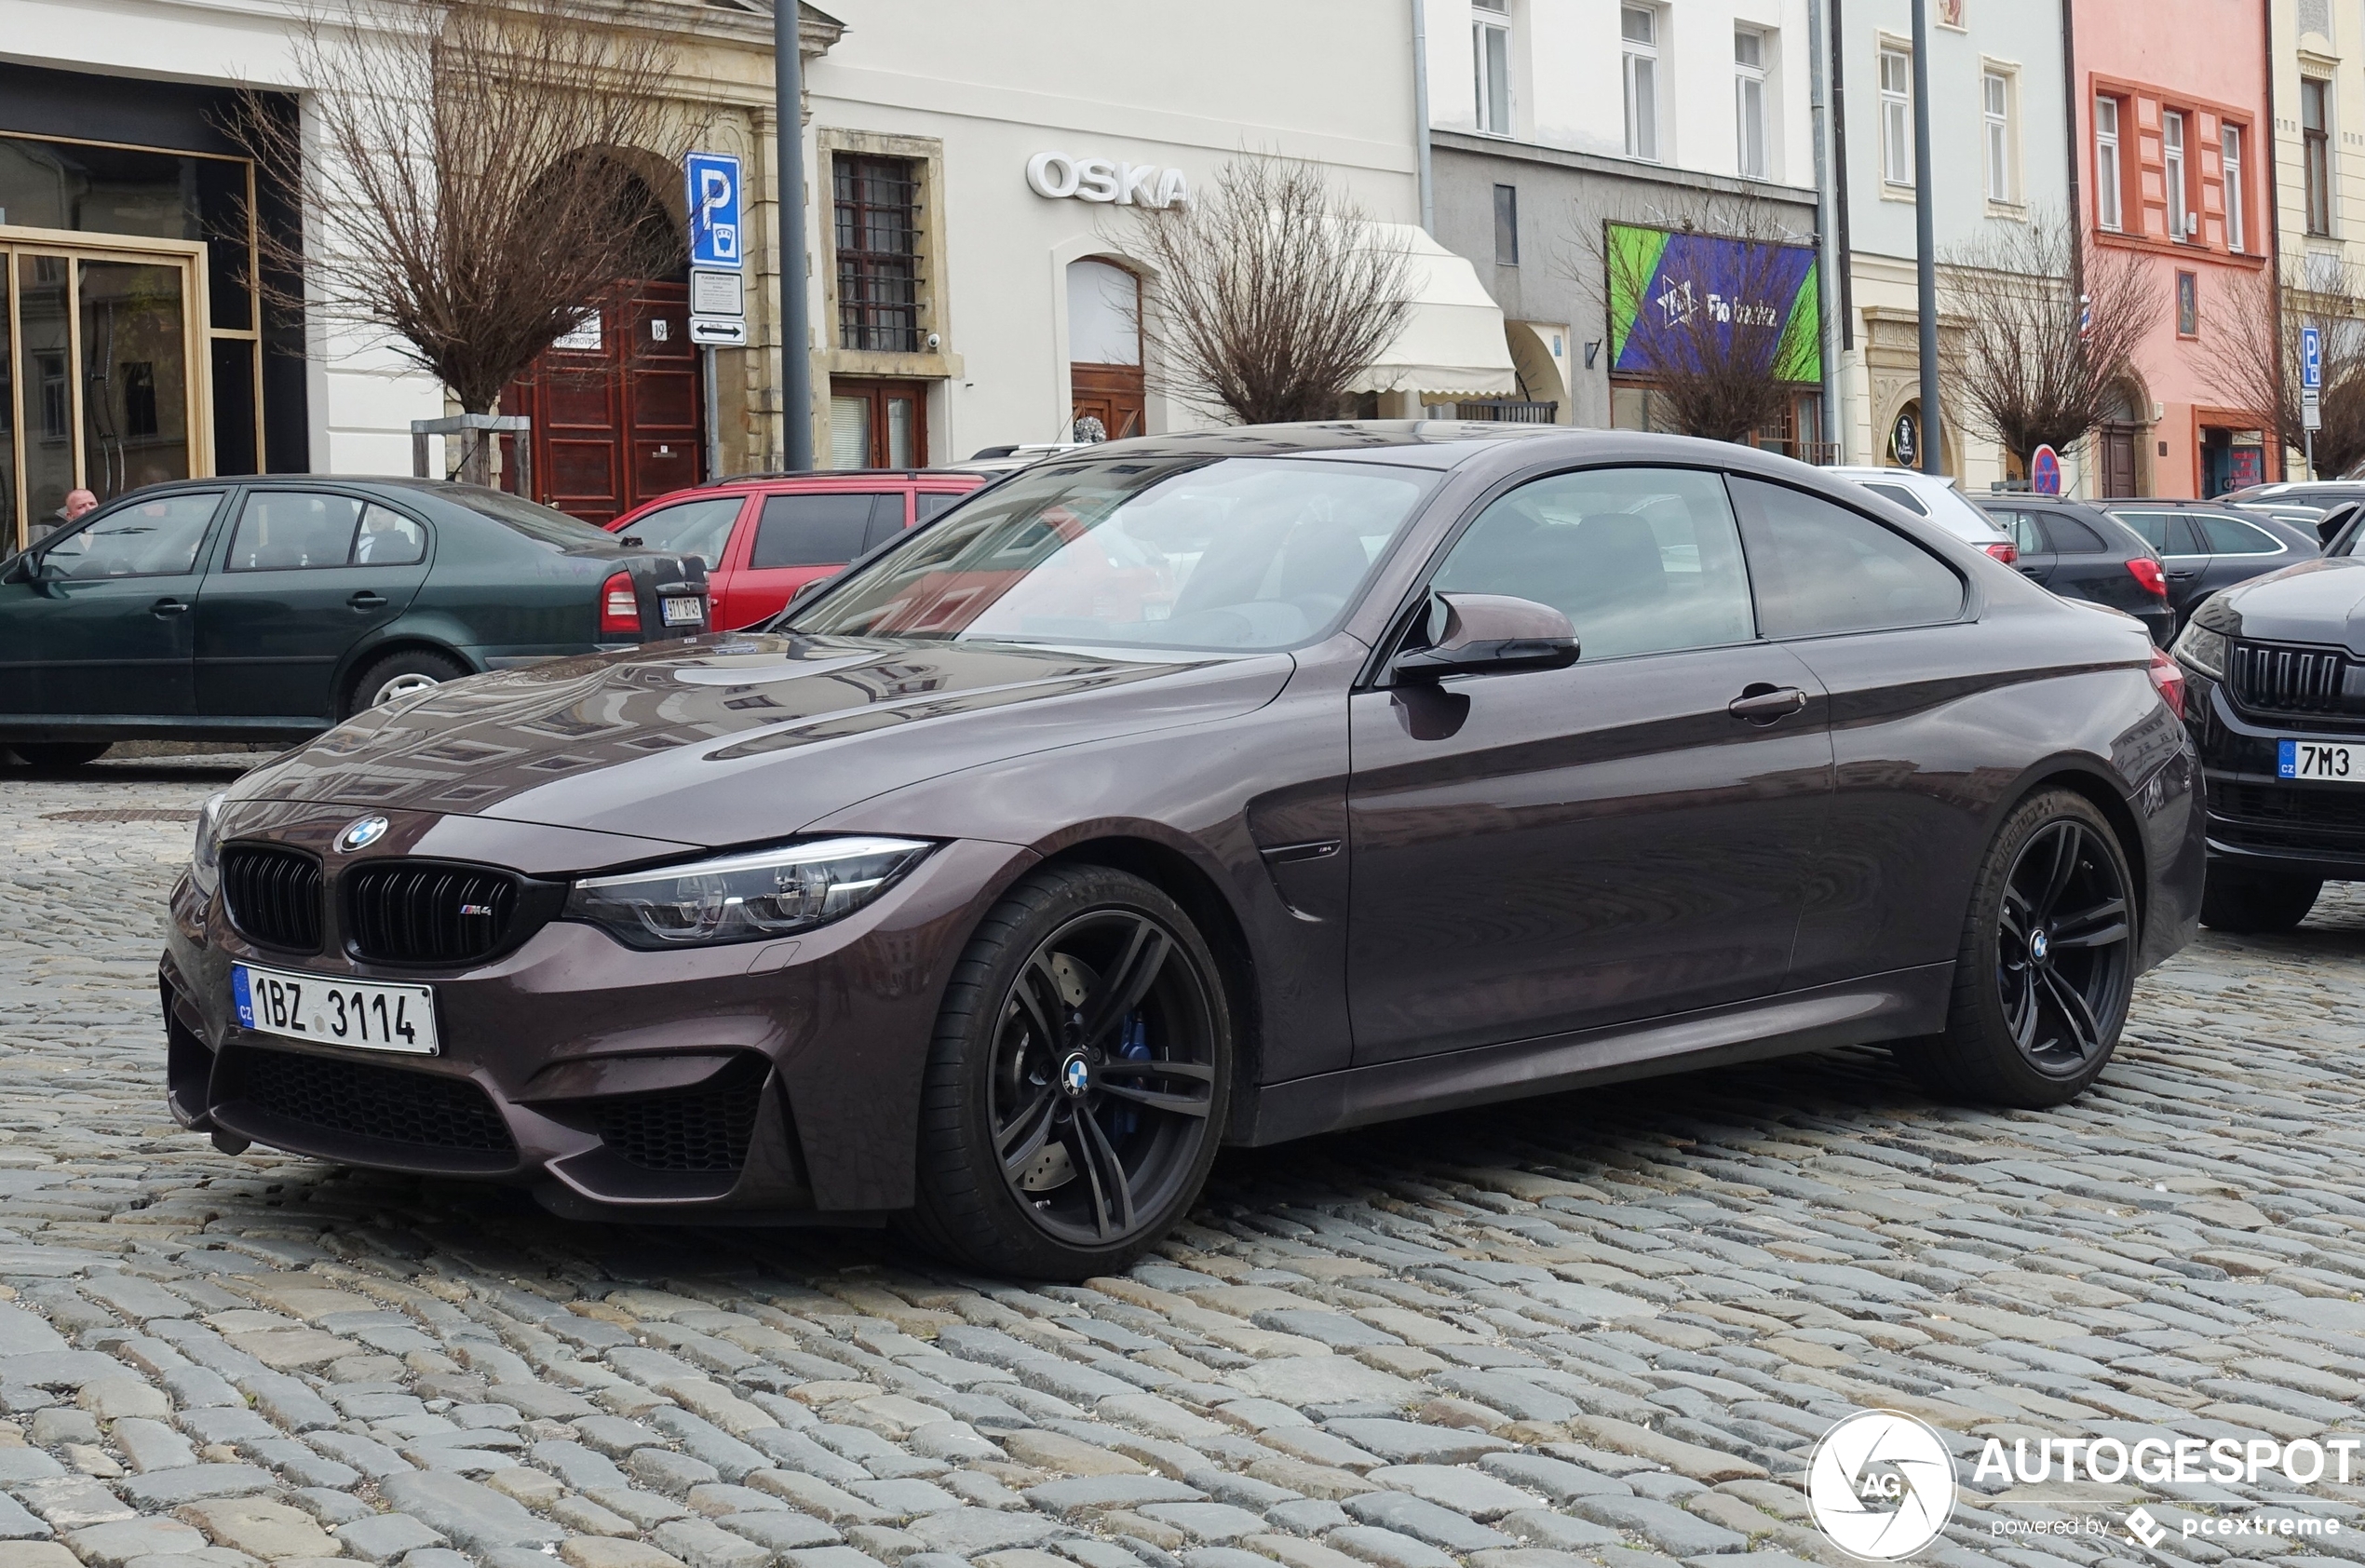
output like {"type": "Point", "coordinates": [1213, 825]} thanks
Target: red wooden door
{"type": "Point", "coordinates": [617, 417]}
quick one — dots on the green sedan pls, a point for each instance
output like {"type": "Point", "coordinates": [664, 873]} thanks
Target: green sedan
{"type": "Point", "coordinates": [260, 609]}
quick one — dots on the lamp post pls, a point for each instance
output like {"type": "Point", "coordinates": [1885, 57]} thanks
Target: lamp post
{"type": "Point", "coordinates": [796, 333]}
{"type": "Point", "coordinates": [1924, 237]}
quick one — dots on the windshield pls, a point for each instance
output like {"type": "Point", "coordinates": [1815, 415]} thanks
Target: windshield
{"type": "Point", "coordinates": [1243, 554]}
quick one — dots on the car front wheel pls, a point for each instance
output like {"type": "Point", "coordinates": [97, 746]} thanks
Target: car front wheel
{"type": "Point", "coordinates": [2047, 962]}
{"type": "Point", "coordinates": [1077, 1083]}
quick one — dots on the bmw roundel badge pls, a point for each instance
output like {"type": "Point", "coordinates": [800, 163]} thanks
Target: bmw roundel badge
{"type": "Point", "coordinates": [1075, 1076]}
{"type": "Point", "coordinates": [361, 833]}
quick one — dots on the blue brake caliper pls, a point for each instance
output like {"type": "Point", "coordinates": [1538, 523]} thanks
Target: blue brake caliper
{"type": "Point", "coordinates": [1122, 1118]}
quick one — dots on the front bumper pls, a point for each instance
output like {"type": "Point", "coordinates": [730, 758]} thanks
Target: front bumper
{"type": "Point", "coordinates": [2263, 822]}
{"type": "Point", "coordinates": [766, 1082]}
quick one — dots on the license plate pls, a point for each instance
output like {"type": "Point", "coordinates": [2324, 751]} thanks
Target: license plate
{"type": "Point", "coordinates": [336, 1012]}
{"type": "Point", "coordinates": [683, 612]}
{"type": "Point", "coordinates": [2316, 759]}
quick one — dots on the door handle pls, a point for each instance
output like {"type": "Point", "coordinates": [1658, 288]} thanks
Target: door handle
{"type": "Point", "coordinates": [2031, 572]}
{"type": "Point", "coordinates": [1762, 704]}
{"type": "Point", "coordinates": [168, 607]}
{"type": "Point", "coordinates": [366, 599]}
{"type": "Point", "coordinates": [2182, 577]}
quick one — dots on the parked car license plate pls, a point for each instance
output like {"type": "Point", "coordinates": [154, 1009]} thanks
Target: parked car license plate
{"type": "Point", "coordinates": [683, 612]}
{"type": "Point", "coordinates": [2316, 759]}
{"type": "Point", "coordinates": [336, 1012]}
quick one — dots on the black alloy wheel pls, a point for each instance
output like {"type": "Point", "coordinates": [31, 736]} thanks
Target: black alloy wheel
{"type": "Point", "coordinates": [2046, 965]}
{"type": "Point", "coordinates": [1076, 1090]}
{"type": "Point", "coordinates": [2065, 938]}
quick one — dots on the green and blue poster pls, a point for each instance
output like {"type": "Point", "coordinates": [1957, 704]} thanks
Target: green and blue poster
{"type": "Point", "coordinates": [1676, 297]}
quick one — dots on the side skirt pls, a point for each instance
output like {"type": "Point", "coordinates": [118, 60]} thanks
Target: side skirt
{"type": "Point", "coordinates": [1899, 1004]}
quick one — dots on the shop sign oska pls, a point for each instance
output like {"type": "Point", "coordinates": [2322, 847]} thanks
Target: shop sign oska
{"type": "Point", "coordinates": [1058, 176]}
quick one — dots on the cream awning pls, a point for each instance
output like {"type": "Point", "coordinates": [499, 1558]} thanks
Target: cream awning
{"type": "Point", "coordinates": [1452, 343]}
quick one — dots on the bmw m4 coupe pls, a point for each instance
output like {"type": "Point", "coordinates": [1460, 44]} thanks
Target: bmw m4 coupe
{"type": "Point", "coordinates": [1213, 788]}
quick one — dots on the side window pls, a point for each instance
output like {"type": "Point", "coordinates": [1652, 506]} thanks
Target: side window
{"type": "Point", "coordinates": [2028, 533]}
{"type": "Point", "coordinates": [283, 529]}
{"type": "Point", "coordinates": [701, 528]}
{"type": "Point", "coordinates": [1819, 568]}
{"type": "Point", "coordinates": [2073, 537]}
{"type": "Point", "coordinates": [2227, 535]}
{"type": "Point", "coordinates": [388, 538]}
{"type": "Point", "coordinates": [1901, 496]}
{"type": "Point", "coordinates": [936, 503]}
{"type": "Point", "coordinates": [1641, 560]}
{"type": "Point", "coordinates": [886, 520]}
{"type": "Point", "coordinates": [811, 530]}
{"type": "Point", "coordinates": [2166, 533]}
{"type": "Point", "coordinates": [149, 539]}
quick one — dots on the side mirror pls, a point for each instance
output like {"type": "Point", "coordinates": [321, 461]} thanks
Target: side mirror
{"type": "Point", "coordinates": [2329, 526]}
{"type": "Point", "coordinates": [1489, 633]}
{"type": "Point", "coordinates": [19, 569]}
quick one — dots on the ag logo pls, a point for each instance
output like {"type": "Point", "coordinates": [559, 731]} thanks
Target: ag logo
{"type": "Point", "coordinates": [1881, 1485]}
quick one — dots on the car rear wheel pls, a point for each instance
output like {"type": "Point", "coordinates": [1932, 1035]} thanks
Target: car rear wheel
{"type": "Point", "coordinates": [1077, 1084]}
{"type": "Point", "coordinates": [414, 670]}
{"type": "Point", "coordinates": [2242, 900]}
{"type": "Point", "coordinates": [2047, 964]}
{"type": "Point", "coordinates": [56, 756]}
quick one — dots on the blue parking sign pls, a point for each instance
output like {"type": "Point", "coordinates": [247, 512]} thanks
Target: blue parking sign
{"type": "Point", "coordinates": [714, 181]}
{"type": "Point", "coordinates": [2311, 358]}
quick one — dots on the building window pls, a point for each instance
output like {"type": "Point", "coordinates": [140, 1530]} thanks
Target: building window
{"type": "Point", "coordinates": [878, 243]}
{"type": "Point", "coordinates": [2107, 178]}
{"type": "Point", "coordinates": [1897, 116]}
{"type": "Point", "coordinates": [1995, 101]}
{"type": "Point", "coordinates": [2231, 139]}
{"type": "Point", "coordinates": [1506, 226]}
{"type": "Point", "coordinates": [2188, 305]}
{"type": "Point", "coordinates": [1748, 106]}
{"type": "Point", "coordinates": [2172, 174]}
{"type": "Point", "coordinates": [1491, 52]}
{"type": "Point", "coordinates": [1639, 25]}
{"type": "Point", "coordinates": [2316, 153]}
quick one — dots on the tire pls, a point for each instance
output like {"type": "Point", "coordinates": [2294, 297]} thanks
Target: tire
{"type": "Point", "coordinates": [1108, 1110]}
{"type": "Point", "coordinates": [399, 675]}
{"type": "Point", "coordinates": [2242, 900]}
{"type": "Point", "coordinates": [57, 756]}
{"type": "Point", "coordinates": [2047, 965]}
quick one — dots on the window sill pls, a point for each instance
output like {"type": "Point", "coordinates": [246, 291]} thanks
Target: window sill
{"type": "Point", "coordinates": [2011, 211]}
{"type": "Point", "coordinates": [941, 365]}
{"type": "Point", "coordinates": [1893, 192]}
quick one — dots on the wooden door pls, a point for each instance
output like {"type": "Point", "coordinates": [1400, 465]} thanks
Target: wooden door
{"type": "Point", "coordinates": [2119, 461]}
{"type": "Point", "coordinates": [1112, 394]}
{"type": "Point", "coordinates": [878, 424]}
{"type": "Point", "coordinates": [617, 416]}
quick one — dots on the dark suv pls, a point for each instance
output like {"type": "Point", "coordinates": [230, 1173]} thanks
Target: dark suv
{"type": "Point", "coordinates": [2082, 553]}
{"type": "Point", "coordinates": [2275, 670]}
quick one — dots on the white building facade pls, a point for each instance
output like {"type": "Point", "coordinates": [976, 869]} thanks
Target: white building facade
{"type": "Point", "coordinates": [1551, 118]}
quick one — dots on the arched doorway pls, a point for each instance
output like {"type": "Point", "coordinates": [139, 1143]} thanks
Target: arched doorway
{"type": "Point", "coordinates": [2118, 443]}
{"type": "Point", "coordinates": [618, 416]}
{"type": "Point", "coordinates": [1104, 348]}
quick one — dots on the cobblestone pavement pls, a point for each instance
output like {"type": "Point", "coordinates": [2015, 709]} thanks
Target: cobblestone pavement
{"type": "Point", "coordinates": [1600, 1328]}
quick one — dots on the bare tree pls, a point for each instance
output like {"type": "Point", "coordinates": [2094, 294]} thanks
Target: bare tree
{"type": "Point", "coordinates": [2040, 330]}
{"type": "Point", "coordinates": [1273, 293]}
{"type": "Point", "coordinates": [1703, 305]}
{"type": "Point", "coordinates": [2249, 353]}
{"type": "Point", "coordinates": [460, 194]}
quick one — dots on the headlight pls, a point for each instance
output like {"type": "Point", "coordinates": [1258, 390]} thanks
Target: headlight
{"type": "Point", "coordinates": [743, 898]}
{"type": "Point", "coordinates": [205, 858]}
{"type": "Point", "coordinates": [2204, 650]}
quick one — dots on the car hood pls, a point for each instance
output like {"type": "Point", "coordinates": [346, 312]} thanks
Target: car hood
{"type": "Point", "coordinates": [2320, 601]}
{"type": "Point", "coordinates": [737, 739]}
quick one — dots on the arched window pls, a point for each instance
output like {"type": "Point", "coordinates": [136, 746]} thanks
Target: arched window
{"type": "Point", "coordinates": [1104, 350]}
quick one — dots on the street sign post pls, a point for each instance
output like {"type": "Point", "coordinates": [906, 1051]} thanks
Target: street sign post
{"type": "Point", "coordinates": [2045, 471]}
{"type": "Point", "coordinates": [718, 297]}
{"type": "Point", "coordinates": [2311, 390]}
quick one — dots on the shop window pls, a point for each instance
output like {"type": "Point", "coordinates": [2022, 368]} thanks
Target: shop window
{"type": "Point", "coordinates": [2316, 153]}
{"type": "Point", "coordinates": [2109, 175]}
{"type": "Point", "coordinates": [1897, 116]}
{"type": "Point", "coordinates": [878, 246]}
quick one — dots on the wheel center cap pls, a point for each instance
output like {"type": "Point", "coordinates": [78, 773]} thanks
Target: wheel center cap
{"type": "Point", "coordinates": [1076, 1075]}
{"type": "Point", "coordinates": [2039, 945]}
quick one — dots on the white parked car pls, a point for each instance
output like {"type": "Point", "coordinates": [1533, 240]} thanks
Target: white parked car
{"type": "Point", "coordinates": [1936, 498]}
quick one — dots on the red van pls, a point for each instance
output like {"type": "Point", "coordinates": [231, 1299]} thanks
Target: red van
{"type": "Point", "coordinates": [766, 536]}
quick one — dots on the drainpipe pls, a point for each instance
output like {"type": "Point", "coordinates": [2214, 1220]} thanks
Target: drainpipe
{"type": "Point", "coordinates": [796, 336]}
{"type": "Point", "coordinates": [2262, 156]}
{"type": "Point", "coordinates": [1421, 115]}
{"type": "Point", "coordinates": [1926, 238]}
{"type": "Point", "coordinates": [2072, 95]}
{"type": "Point", "coordinates": [1824, 265]}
